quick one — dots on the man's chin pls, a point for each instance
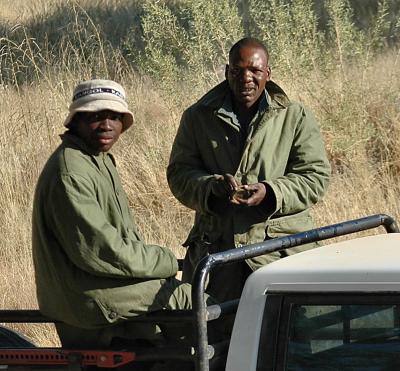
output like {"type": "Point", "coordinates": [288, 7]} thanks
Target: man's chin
{"type": "Point", "coordinates": [246, 101]}
{"type": "Point", "coordinates": [104, 145]}
{"type": "Point", "coordinates": [102, 148]}
{"type": "Point", "coordinates": [105, 148]}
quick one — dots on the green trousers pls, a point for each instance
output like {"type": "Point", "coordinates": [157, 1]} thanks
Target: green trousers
{"type": "Point", "coordinates": [162, 295]}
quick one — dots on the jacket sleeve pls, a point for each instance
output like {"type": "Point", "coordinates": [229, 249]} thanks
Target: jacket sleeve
{"type": "Point", "coordinates": [92, 243]}
{"type": "Point", "coordinates": [187, 178]}
{"type": "Point", "coordinates": [307, 171]}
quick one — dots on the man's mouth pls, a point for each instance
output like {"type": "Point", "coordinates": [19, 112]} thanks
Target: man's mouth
{"type": "Point", "coordinates": [246, 91]}
{"type": "Point", "coordinates": [105, 140]}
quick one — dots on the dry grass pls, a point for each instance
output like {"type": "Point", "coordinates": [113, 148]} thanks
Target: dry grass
{"type": "Point", "coordinates": [18, 10]}
{"type": "Point", "coordinates": [360, 119]}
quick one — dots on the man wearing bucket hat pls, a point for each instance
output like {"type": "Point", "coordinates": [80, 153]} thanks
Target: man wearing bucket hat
{"type": "Point", "coordinates": [93, 271]}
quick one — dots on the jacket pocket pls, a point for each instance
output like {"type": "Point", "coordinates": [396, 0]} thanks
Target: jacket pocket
{"type": "Point", "coordinates": [256, 233]}
{"type": "Point", "coordinates": [290, 224]}
{"type": "Point", "coordinates": [194, 253]}
{"type": "Point", "coordinates": [206, 231]}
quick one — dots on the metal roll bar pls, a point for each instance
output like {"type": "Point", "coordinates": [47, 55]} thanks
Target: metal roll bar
{"type": "Point", "coordinates": [241, 253]}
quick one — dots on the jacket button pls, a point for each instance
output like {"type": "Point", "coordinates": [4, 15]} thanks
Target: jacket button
{"type": "Point", "coordinates": [112, 315]}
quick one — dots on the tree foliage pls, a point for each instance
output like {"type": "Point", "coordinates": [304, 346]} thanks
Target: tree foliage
{"type": "Point", "coordinates": [188, 40]}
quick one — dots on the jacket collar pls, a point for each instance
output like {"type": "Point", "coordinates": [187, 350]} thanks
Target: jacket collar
{"type": "Point", "coordinates": [71, 140]}
{"type": "Point", "coordinates": [215, 98]}
{"type": "Point", "coordinates": [226, 110]}
{"type": "Point", "coordinates": [278, 96]}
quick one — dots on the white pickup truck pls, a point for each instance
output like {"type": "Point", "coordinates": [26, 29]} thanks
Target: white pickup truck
{"type": "Point", "coordinates": [336, 307]}
{"type": "Point", "coordinates": [332, 308]}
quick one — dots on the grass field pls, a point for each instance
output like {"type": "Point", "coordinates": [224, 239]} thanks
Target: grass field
{"type": "Point", "coordinates": [352, 86]}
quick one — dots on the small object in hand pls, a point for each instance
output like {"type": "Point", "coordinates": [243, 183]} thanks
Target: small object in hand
{"type": "Point", "coordinates": [241, 194]}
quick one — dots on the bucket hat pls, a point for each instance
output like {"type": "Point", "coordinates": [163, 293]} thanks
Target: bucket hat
{"type": "Point", "coordinates": [99, 95]}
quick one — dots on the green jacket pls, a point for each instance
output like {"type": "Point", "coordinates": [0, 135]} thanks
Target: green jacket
{"type": "Point", "coordinates": [92, 267]}
{"type": "Point", "coordinates": [282, 147]}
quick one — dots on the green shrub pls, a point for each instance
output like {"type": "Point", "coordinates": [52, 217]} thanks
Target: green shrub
{"type": "Point", "coordinates": [290, 31]}
{"type": "Point", "coordinates": [188, 40]}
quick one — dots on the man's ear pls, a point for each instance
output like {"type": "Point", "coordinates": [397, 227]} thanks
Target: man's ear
{"type": "Point", "coordinates": [226, 71]}
{"type": "Point", "coordinates": [269, 72]}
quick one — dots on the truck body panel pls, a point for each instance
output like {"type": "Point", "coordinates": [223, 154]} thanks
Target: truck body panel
{"type": "Point", "coordinates": [362, 265]}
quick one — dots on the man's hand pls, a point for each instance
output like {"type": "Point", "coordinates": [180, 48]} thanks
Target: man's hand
{"type": "Point", "coordinates": [250, 194]}
{"type": "Point", "coordinates": [224, 186]}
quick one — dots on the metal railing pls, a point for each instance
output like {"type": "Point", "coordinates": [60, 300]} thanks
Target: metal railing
{"type": "Point", "coordinates": [239, 254]}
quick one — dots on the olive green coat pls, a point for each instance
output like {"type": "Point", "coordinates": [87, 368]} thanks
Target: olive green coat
{"type": "Point", "coordinates": [283, 148]}
{"type": "Point", "coordinates": [91, 266]}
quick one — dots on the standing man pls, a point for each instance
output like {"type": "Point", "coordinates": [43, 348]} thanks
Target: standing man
{"type": "Point", "coordinates": [250, 162]}
{"type": "Point", "coordinates": [92, 268]}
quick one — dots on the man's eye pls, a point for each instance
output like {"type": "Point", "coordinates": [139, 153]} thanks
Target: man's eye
{"type": "Point", "coordinates": [236, 71]}
{"type": "Point", "coordinates": [116, 116]}
{"type": "Point", "coordinates": [93, 117]}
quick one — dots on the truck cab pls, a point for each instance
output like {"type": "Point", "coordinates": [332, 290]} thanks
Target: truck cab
{"type": "Point", "coordinates": [336, 307]}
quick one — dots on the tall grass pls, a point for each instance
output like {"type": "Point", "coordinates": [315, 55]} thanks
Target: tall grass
{"type": "Point", "coordinates": [167, 54]}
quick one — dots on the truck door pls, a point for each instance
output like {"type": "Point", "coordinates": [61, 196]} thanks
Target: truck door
{"type": "Point", "coordinates": [323, 331]}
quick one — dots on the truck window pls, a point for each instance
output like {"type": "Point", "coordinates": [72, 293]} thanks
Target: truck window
{"type": "Point", "coordinates": [361, 333]}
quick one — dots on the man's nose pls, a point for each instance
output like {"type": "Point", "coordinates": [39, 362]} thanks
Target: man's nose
{"type": "Point", "coordinates": [105, 124]}
{"type": "Point", "coordinates": [245, 75]}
